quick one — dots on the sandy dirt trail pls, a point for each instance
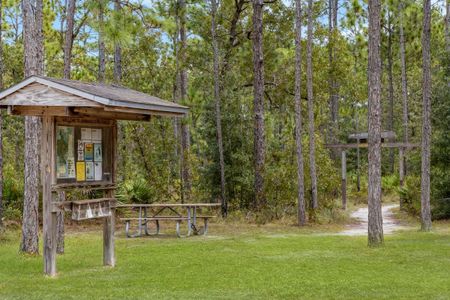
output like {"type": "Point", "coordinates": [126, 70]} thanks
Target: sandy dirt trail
{"type": "Point", "coordinates": [389, 223]}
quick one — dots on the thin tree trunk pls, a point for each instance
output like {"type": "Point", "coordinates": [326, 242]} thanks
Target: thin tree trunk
{"type": "Point", "coordinates": [333, 87]}
{"type": "Point", "coordinates": [301, 215]}
{"type": "Point", "coordinates": [68, 42]}
{"type": "Point", "coordinates": [1, 119]}
{"type": "Point", "coordinates": [447, 27]}
{"type": "Point", "coordinates": [34, 65]}
{"type": "Point", "coordinates": [426, 120]}
{"type": "Point", "coordinates": [390, 91]}
{"type": "Point", "coordinates": [375, 226]}
{"type": "Point", "coordinates": [218, 107]}
{"type": "Point", "coordinates": [309, 79]}
{"type": "Point", "coordinates": [117, 51]}
{"type": "Point", "coordinates": [404, 76]}
{"type": "Point", "coordinates": [176, 84]}
{"type": "Point", "coordinates": [258, 104]}
{"type": "Point", "coordinates": [185, 133]}
{"type": "Point", "coordinates": [101, 44]}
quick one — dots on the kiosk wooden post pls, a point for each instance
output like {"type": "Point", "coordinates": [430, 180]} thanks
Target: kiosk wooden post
{"type": "Point", "coordinates": [47, 179]}
{"type": "Point", "coordinates": [109, 258]}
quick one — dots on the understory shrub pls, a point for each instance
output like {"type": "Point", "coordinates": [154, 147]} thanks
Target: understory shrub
{"type": "Point", "coordinates": [136, 191]}
{"type": "Point", "coordinates": [410, 195]}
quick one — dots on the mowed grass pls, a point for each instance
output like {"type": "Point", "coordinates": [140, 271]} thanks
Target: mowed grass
{"type": "Point", "coordinates": [257, 263]}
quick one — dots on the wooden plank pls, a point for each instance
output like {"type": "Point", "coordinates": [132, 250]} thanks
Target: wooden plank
{"type": "Point", "coordinates": [100, 113]}
{"type": "Point", "coordinates": [95, 185]}
{"type": "Point", "coordinates": [47, 177]}
{"type": "Point", "coordinates": [142, 111]}
{"type": "Point", "coordinates": [184, 205]}
{"type": "Point", "coordinates": [88, 201]}
{"type": "Point", "coordinates": [37, 94]}
{"type": "Point", "coordinates": [84, 121]}
{"type": "Point", "coordinates": [362, 145]}
{"type": "Point", "coordinates": [39, 110]}
{"type": "Point", "coordinates": [161, 218]}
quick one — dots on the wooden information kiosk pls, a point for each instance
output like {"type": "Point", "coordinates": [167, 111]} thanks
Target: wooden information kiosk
{"type": "Point", "coordinates": [78, 146]}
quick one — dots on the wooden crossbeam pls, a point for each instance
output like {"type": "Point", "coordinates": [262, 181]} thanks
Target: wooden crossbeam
{"type": "Point", "coordinates": [365, 145]}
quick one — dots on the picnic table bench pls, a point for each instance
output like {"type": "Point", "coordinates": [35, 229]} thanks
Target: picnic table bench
{"type": "Point", "coordinates": [148, 213]}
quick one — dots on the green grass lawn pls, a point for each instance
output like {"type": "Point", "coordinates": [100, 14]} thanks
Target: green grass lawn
{"type": "Point", "coordinates": [257, 263]}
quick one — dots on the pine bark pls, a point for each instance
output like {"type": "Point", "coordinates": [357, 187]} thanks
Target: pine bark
{"type": "Point", "coordinates": [404, 76]}
{"type": "Point", "coordinates": [309, 83]}
{"type": "Point", "coordinates": [68, 41]}
{"type": "Point", "coordinates": [117, 51]}
{"type": "Point", "coordinates": [258, 104]}
{"type": "Point", "coordinates": [101, 43]}
{"type": "Point", "coordinates": [34, 65]}
{"type": "Point", "coordinates": [333, 85]}
{"type": "Point", "coordinates": [375, 226]}
{"type": "Point", "coordinates": [390, 91]}
{"type": "Point", "coordinates": [1, 119]}
{"type": "Point", "coordinates": [186, 174]}
{"type": "Point", "coordinates": [301, 215]}
{"type": "Point", "coordinates": [218, 107]}
{"type": "Point", "coordinates": [426, 118]}
{"type": "Point", "coordinates": [447, 27]}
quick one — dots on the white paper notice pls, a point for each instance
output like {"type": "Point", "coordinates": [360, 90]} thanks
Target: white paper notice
{"type": "Point", "coordinates": [86, 134]}
{"type": "Point", "coordinates": [96, 135]}
{"type": "Point", "coordinates": [98, 171]}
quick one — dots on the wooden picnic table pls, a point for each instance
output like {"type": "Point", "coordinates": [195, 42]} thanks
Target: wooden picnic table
{"type": "Point", "coordinates": [153, 213]}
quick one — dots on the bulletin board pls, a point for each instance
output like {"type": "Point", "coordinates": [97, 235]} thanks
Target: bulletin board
{"type": "Point", "coordinates": [84, 153]}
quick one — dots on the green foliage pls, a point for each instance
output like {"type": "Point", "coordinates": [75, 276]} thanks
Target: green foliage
{"type": "Point", "coordinates": [149, 164]}
{"type": "Point", "coordinates": [410, 195]}
{"type": "Point", "coordinates": [390, 183]}
{"type": "Point", "coordinates": [136, 191]}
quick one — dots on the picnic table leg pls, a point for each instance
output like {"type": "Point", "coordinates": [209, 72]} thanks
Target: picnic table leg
{"type": "Point", "coordinates": [205, 229]}
{"type": "Point", "coordinates": [145, 222]}
{"type": "Point", "coordinates": [157, 226]}
{"type": "Point", "coordinates": [127, 229]}
{"type": "Point", "coordinates": [178, 229]}
{"type": "Point", "coordinates": [194, 220]}
{"type": "Point", "coordinates": [140, 221]}
{"type": "Point", "coordinates": [189, 221]}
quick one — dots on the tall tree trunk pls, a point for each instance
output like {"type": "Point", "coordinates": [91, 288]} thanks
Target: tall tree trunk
{"type": "Point", "coordinates": [118, 80]}
{"type": "Point", "coordinates": [186, 175]}
{"type": "Point", "coordinates": [390, 91]}
{"type": "Point", "coordinates": [309, 83]}
{"type": "Point", "coordinates": [447, 27]}
{"type": "Point", "coordinates": [301, 215]}
{"type": "Point", "coordinates": [1, 119]}
{"type": "Point", "coordinates": [117, 50]}
{"type": "Point", "coordinates": [426, 121]}
{"type": "Point", "coordinates": [258, 103]}
{"type": "Point", "coordinates": [404, 76]}
{"type": "Point", "coordinates": [34, 65]}
{"type": "Point", "coordinates": [218, 107]}
{"type": "Point", "coordinates": [68, 41]}
{"type": "Point", "coordinates": [101, 43]}
{"type": "Point", "coordinates": [375, 227]}
{"type": "Point", "coordinates": [332, 82]}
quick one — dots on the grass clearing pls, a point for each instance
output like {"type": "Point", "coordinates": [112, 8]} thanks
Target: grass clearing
{"type": "Point", "coordinates": [257, 262]}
